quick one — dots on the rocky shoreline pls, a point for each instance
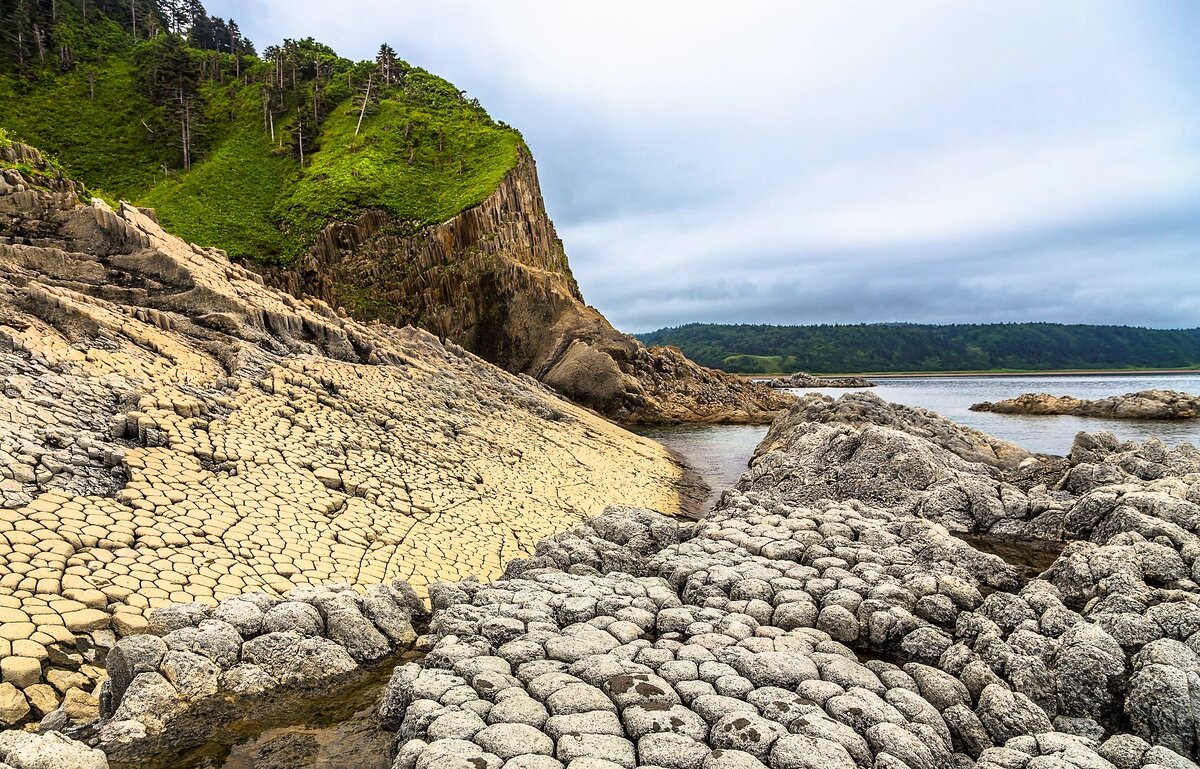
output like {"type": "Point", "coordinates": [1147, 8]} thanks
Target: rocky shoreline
{"type": "Point", "coordinates": [830, 625]}
{"type": "Point", "coordinates": [222, 505]}
{"type": "Point", "coordinates": [1147, 404]}
{"type": "Point", "coordinates": [801, 380]}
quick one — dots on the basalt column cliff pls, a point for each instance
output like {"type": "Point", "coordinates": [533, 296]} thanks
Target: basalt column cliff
{"type": "Point", "coordinates": [495, 279]}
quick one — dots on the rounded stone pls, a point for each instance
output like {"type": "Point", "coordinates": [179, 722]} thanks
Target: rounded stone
{"type": "Point", "coordinates": [511, 740]}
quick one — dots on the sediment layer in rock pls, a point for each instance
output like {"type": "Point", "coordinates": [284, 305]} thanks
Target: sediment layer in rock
{"type": "Point", "coordinates": [495, 279]}
{"type": "Point", "coordinates": [173, 430]}
{"type": "Point", "coordinates": [802, 379]}
{"type": "Point", "coordinates": [1147, 404]}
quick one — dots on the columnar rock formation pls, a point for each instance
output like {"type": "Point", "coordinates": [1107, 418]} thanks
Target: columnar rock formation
{"type": "Point", "coordinates": [173, 430]}
{"type": "Point", "coordinates": [793, 630]}
{"type": "Point", "coordinates": [495, 280]}
{"type": "Point", "coordinates": [1147, 404]}
{"type": "Point", "coordinates": [799, 628]}
{"type": "Point", "coordinates": [201, 668]}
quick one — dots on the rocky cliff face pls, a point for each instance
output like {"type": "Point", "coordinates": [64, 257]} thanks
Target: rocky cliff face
{"type": "Point", "coordinates": [173, 430]}
{"type": "Point", "coordinates": [495, 279]}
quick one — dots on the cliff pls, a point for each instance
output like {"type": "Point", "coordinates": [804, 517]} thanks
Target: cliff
{"type": "Point", "coordinates": [173, 430]}
{"type": "Point", "coordinates": [412, 206]}
{"type": "Point", "coordinates": [495, 279]}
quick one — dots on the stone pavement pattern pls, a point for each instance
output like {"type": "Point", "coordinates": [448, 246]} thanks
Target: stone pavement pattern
{"type": "Point", "coordinates": [798, 626]}
{"type": "Point", "coordinates": [171, 430]}
{"type": "Point", "coordinates": [254, 655]}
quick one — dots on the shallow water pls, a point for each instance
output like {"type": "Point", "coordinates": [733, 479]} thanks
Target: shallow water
{"type": "Point", "coordinates": [720, 453]}
{"type": "Point", "coordinates": [337, 729]}
{"type": "Point", "coordinates": [952, 397]}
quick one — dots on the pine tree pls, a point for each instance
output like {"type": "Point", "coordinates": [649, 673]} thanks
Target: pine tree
{"type": "Point", "coordinates": [386, 62]}
{"type": "Point", "coordinates": [171, 79]}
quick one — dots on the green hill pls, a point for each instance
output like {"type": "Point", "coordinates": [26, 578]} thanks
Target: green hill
{"type": "Point", "coordinates": [251, 153]}
{"type": "Point", "coordinates": [836, 349]}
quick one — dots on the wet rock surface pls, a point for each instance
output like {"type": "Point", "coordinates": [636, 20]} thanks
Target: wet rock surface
{"type": "Point", "coordinates": [1147, 404]}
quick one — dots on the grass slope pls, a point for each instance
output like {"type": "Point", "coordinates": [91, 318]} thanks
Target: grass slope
{"type": "Point", "coordinates": [100, 140]}
{"type": "Point", "coordinates": [423, 164]}
{"type": "Point", "coordinates": [424, 154]}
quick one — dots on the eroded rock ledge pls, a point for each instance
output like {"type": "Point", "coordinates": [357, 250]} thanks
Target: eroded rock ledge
{"type": "Point", "coordinates": [1147, 404]}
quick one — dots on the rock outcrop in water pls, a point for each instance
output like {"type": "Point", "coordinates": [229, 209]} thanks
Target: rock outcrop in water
{"type": "Point", "coordinates": [802, 380]}
{"type": "Point", "coordinates": [1147, 404]}
{"type": "Point", "coordinates": [859, 410]}
{"type": "Point", "coordinates": [495, 279]}
{"type": "Point", "coordinates": [172, 430]}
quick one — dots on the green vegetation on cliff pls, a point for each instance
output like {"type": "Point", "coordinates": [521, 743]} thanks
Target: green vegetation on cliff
{"type": "Point", "coordinates": [254, 154]}
{"type": "Point", "coordinates": [878, 347]}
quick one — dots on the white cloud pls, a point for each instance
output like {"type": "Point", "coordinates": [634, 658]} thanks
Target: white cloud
{"type": "Point", "coordinates": [720, 155]}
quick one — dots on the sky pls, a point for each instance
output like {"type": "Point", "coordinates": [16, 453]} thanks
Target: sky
{"type": "Point", "coordinates": [940, 161]}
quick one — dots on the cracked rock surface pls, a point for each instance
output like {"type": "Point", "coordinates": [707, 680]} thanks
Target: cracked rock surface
{"type": "Point", "coordinates": [174, 431]}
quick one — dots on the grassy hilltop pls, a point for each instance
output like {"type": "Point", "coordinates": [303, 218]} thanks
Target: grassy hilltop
{"type": "Point", "coordinates": [123, 106]}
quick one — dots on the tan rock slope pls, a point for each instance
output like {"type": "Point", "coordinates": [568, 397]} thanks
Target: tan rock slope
{"type": "Point", "coordinates": [173, 430]}
{"type": "Point", "coordinates": [495, 279]}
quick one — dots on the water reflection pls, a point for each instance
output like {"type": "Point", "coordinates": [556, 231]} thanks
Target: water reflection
{"type": "Point", "coordinates": [719, 453]}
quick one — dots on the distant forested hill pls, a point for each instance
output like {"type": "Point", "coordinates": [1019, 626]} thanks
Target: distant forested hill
{"type": "Point", "coordinates": [912, 347]}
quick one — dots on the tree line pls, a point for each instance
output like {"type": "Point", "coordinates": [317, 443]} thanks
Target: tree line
{"type": "Point", "coordinates": [917, 347]}
{"type": "Point", "coordinates": [181, 54]}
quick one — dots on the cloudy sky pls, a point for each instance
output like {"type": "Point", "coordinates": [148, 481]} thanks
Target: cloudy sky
{"type": "Point", "coordinates": [836, 161]}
